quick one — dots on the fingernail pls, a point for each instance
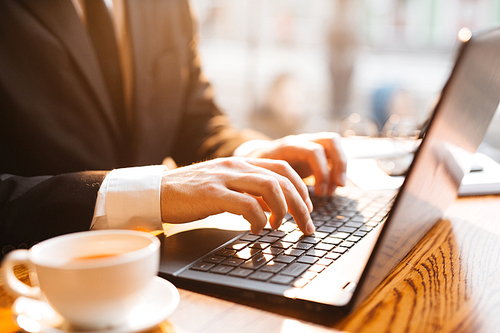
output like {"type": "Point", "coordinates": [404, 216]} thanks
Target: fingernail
{"type": "Point", "coordinates": [278, 224]}
{"type": "Point", "coordinates": [256, 231]}
{"type": "Point", "coordinates": [310, 229]}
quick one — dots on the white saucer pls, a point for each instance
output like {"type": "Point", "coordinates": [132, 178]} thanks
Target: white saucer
{"type": "Point", "coordinates": [160, 301]}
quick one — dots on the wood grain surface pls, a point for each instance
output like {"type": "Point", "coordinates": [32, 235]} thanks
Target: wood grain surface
{"type": "Point", "coordinates": [450, 281]}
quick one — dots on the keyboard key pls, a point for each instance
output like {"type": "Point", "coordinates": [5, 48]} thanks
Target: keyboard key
{"type": "Point", "coordinates": [320, 217]}
{"type": "Point", "coordinates": [302, 246]}
{"type": "Point", "coordinates": [340, 249]}
{"type": "Point", "coordinates": [257, 261]}
{"type": "Point", "coordinates": [325, 262]}
{"type": "Point", "coordinates": [282, 245]}
{"type": "Point", "coordinates": [258, 245]}
{"type": "Point", "coordinates": [326, 229]}
{"type": "Point", "coordinates": [360, 219]}
{"type": "Point", "coordinates": [287, 227]}
{"type": "Point", "coordinates": [360, 233]}
{"type": "Point", "coordinates": [316, 253]}
{"type": "Point", "coordinates": [324, 246]}
{"type": "Point", "coordinates": [318, 223]}
{"type": "Point", "coordinates": [333, 256]}
{"type": "Point", "coordinates": [249, 238]}
{"type": "Point", "coordinates": [284, 258]}
{"type": "Point", "coordinates": [347, 230]}
{"type": "Point", "coordinates": [347, 244]}
{"type": "Point", "coordinates": [233, 262]}
{"type": "Point", "coordinates": [341, 218]}
{"type": "Point", "coordinates": [238, 245]}
{"type": "Point", "coordinates": [282, 279]}
{"type": "Point", "coordinates": [221, 269]}
{"type": "Point", "coordinates": [246, 253]}
{"type": "Point", "coordinates": [275, 251]}
{"type": "Point", "coordinates": [311, 240]}
{"type": "Point", "coordinates": [295, 269]}
{"type": "Point", "coordinates": [332, 240]}
{"type": "Point", "coordinates": [277, 233]}
{"type": "Point", "coordinates": [264, 232]}
{"type": "Point", "coordinates": [273, 267]}
{"type": "Point", "coordinates": [319, 234]}
{"type": "Point", "coordinates": [307, 260]}
{"type": "Point", "coordinates": [261, 276]}
{"type": "Point", "coordinates": [353, 239]}
{"type": "Point", "coordinates": [268, 239]}
{"type": "Point", "coordinates": [241, 272]}
{"type": "Point", "coordinates": [292, 237]}
{"type": "Point", "coordinates": [348, 213]}
{"type": "Point", "coordinates": [202, 266]}
{"type": "Point", "coordinates": [294, 252]}
{"type": "Point", "coordinates": [225, 252]}
{"type": "Point", "coordinates": [334, 224]}
{"type": "Point", "coordinates": [352, 224]}
{"type": "Point", "coordinates": [317, 268]}
{"type": "Point", "coordinates": [341, 235]}
{"type": "Point", "coordinates": [214, 259]}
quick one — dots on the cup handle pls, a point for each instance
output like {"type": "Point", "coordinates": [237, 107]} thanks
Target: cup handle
{"type": "Point", "coordinates": [11, 283]}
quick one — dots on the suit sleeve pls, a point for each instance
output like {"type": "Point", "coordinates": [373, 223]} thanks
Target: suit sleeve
{"type": "Point", "coordinates": [36, 208]}
{"type": "Point", "coordinates": [206, 131]}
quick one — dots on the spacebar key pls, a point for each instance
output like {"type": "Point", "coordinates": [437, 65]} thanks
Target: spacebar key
{"type": "Point", "coordinates": [295, 269]}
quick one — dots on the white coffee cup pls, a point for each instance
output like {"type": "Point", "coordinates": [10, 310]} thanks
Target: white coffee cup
{"type": "Point", "coordinates": [94, 279]}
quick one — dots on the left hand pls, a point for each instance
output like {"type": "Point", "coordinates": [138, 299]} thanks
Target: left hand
{"type": "Point", "coordinates": [318, 154]}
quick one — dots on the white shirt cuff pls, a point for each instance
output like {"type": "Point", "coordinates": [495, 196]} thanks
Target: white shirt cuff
{"type": "Point", "coordinates": [129, 198]}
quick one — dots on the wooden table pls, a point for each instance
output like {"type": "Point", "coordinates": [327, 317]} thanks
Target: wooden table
{"type": "Point", "coordinates": [450, 282]}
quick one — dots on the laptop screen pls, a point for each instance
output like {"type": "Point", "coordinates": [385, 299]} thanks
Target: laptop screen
{"type": "Point", "coordinates": [460, 120]}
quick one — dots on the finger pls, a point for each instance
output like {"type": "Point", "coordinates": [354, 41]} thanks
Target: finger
{"type": "Point", "coordinates": [337, 161]}
{"type": "Point", "coordinates": [316, 158]}
{"type": "Point", "coordinates": [265, 186]}
{"type": "Point", "coordinates": [284, 169]}
{"type": "Point", "coordinates": [246, 206]}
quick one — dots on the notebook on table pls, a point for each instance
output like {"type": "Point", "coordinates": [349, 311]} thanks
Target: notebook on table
{"type": "Point", "coordinates": [361, 235]}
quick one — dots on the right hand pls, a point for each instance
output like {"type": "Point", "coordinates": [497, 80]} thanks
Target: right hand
{"type": "Point", "coordinates": [242, 186]}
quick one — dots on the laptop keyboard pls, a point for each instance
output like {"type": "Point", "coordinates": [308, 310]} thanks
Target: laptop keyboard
{"type": "Point", "coordinates": [286, 256]}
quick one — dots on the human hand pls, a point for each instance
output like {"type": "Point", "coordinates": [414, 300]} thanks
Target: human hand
{"type": "Point", "coordinates": [242, 186]}
{"type": "Point", "coordinates": [318, 154]}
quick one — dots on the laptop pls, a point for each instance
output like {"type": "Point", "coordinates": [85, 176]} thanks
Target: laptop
{"type": "Point", "coordinates": [360, 235]}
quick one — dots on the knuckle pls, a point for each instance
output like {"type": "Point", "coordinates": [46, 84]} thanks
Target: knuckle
{"type": "Point", "coordinates": [231, 162]}
{"type": "Point", "coordinates": [286, 184]}
{"type": "Point", "coordinates": [211, 190]}
{"type": "Point", "coordinates": [270, 183]}
{"type": "Point", "coordinates": [251, 206]}
{"type": "Point", "coordinates": [283, 166]}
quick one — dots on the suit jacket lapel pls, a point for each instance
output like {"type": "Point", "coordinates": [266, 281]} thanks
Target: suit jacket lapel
{"type": "Point", "coordinates": [61, 18]}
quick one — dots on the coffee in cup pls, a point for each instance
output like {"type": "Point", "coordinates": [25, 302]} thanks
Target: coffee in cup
{"type": "Point", "coordinates": [94, 279]}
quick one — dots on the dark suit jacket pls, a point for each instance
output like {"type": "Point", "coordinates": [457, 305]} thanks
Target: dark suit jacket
{"type": "Point", "coordinates": [56, 116]}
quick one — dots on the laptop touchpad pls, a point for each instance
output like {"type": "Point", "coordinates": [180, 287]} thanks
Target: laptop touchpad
{"type": "Point", "coordinates": [181, 249]}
